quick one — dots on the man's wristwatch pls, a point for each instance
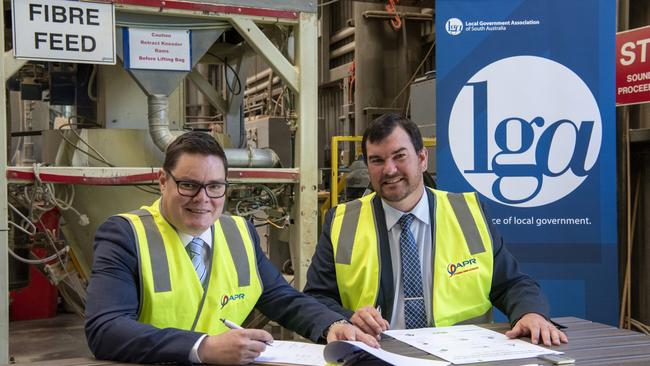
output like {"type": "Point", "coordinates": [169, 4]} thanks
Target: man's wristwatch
{"type": "Point", "coordinates": [327, 330]}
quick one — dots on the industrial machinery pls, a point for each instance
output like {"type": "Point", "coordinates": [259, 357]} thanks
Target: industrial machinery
{"type": "Point", "coordinates": [87, 139]}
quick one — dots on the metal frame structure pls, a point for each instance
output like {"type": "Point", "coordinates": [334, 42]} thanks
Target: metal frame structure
{"type": "Point", "coordinates": [136, 176]}
{"type": "Point", "coordinates": [354, 36]}
{"type": "Point", "coordinates": [300, 77]}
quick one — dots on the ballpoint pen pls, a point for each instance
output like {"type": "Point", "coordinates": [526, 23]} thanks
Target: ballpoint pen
{"type": "Point", "coordinates": [378, 308]}
{"type": "Point", "coordinates": [232, 325]}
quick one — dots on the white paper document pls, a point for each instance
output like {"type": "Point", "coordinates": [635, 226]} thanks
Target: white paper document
{"type": "Point", "coordinates": [349, 351]}
{"type": "Point", "coordinates": [308, 354]}
{"type": "Point", "coordinates": [468, 344]}
{"type": "Point", "coordinates": [293, 353]}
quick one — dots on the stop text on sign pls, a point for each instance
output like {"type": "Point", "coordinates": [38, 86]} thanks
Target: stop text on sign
{"type": "Point", "coordinates": [633, 66]}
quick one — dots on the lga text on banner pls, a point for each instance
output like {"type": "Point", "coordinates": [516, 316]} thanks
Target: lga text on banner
{"type": "Point", "coordinates": [526, 118]}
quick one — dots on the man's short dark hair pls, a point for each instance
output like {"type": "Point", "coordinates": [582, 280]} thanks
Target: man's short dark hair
{"type": "Point", "coordinates": [384, 125]}
{"type": "Point", "coordinates": [193, 142]}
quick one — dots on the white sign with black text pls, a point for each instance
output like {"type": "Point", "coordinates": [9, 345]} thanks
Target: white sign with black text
{"type": "Point", "coordinates": [63, 30]}
{"type": "Point", "coordinates": [158, 49]}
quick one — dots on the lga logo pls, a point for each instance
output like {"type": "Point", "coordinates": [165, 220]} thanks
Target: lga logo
{"type": "Point", "coordinates": [462, 267]}
{"type": "Point", "coordinates": [226, 299]}
{"type": "Point", "coordinates": [454, 26]}
{"type": "Point", "coordinates": [525, 131]}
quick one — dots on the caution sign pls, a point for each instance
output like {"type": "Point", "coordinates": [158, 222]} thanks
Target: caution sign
{"type": "Point", "coordinates": [157, 49]}
{"type": "Point", "coordinates": [63, 30]}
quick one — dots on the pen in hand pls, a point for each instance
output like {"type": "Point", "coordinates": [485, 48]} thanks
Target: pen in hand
{"type": "Point", "coordinates": [378, 308]}
{"type": "Point", "coordinates": [232, 325]}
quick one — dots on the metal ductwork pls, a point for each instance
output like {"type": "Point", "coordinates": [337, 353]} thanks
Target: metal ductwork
{"type": "Point", "coordinates": [159, 121]}
{"type": "Point", "coordinates": [252, 158]}
{"type": "Point", "coordinates": [162, 137]}
{"type": "Point", "coordinates": [159, 84]}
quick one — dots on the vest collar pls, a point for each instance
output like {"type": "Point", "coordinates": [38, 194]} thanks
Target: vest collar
{"type": "Point", "coordinates": [420, 211]}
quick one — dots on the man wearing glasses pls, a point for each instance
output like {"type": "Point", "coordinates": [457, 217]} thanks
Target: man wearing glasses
{"type": "Point", "coordinates": [165, 276]}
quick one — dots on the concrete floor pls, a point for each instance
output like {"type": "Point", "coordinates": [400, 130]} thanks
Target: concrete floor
{"type": "Point", "coordinates": [47, 339]}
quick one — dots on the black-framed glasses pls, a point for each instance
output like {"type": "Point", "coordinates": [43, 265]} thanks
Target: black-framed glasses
{"type": "Point", "coordinates": [190, 188]}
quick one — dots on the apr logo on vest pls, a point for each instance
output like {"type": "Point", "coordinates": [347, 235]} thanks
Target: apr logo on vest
{"type": "Point", "coordinates": [462, 267]}
{"type": "Point", "coordinates": [226, 299]}
{"type": "Point", "coordinates": [525, 131]}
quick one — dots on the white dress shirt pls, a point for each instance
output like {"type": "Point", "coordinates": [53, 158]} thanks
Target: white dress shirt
{"type": "Point", "coordinates": [421, 229]}
{"type": "Point", "coordinates": [206, 236]}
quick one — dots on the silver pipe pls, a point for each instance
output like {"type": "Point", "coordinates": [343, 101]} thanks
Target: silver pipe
{"type": "Point", "coordinates": [379, 14]}
{"type": "Point", "coordinates": [345, 49]}
{"type": "Point", "coordinates": [159, 121]}
{"type": "Point", "coordinates": [259, 76]}
{"type": "Point", "coordinates": [261, 86]}
{"type": "Point", "coordinates": [262, 96]}
{"type": "Point", "coordinates": [27, 155]}
{"type": "Point", "coordinates": [342, 34]}
{"type": "Point", "coordinates": [162, 137]}
{"type": "Point", "coordinates": [252, 158]}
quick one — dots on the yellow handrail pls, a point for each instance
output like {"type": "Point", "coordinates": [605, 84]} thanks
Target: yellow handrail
{"type": "Point", "coordinates": [334, 197]}
{"type": "Point", "coordinates": [342, 182]}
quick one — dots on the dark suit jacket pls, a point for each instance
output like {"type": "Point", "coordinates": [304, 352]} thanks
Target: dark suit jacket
{"type": "Point", "coordinates": [513, 292]}
{"type": "Point", "coordinates": [114, 333]}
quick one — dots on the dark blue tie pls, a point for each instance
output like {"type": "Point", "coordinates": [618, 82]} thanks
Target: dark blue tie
{"type": "Point", "coordinates": [415, 314]}
{"type": "Point", "coordinates": [195, 249]}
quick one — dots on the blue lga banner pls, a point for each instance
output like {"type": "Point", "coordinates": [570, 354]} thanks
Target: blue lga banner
{"type": "Point", "coordinates": [526, 118]}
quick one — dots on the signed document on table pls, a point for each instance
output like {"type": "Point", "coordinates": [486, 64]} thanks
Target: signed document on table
{"type": "Point", "coordinates": [294, 353]}
{"type": "Point", "coordinates": [339, 352]}
{"type": "Point", "coordinates": [468, 344]}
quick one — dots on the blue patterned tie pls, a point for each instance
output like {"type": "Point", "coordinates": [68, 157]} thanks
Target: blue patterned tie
{"type": "Point", "coordinates": [415, 314]}
{"type": "Point", "coordinates": [195, 250]}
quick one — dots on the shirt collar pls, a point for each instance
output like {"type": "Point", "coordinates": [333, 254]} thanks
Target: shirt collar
{"type": "Point", "coordinates": [206, 236]}
{"type": "Point", "coordinates": [420, 211]}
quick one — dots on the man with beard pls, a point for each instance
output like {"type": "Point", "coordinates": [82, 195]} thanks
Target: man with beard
{"type": "Point", "coordinates": [409, 257]}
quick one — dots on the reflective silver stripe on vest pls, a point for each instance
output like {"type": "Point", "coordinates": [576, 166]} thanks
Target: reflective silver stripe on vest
{"type": "Point", "coordinates": [237, 249]}
{"type": "Point", "coordinates": [348, 232]}
{"type": "Point", "coordinates": [467, 223]}
{"type": "Point", "coordinates": [481, 319]}
{"type": "Point", "coordinates": [157, 253]}
{"type": "Point", "coordinates": [486, 221]}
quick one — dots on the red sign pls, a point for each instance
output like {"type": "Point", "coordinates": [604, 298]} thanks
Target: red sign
{"type": "Point", "coordinates": [633, 66]}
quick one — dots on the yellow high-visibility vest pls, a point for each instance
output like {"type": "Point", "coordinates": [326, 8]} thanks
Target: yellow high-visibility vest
{"type": "Point", "coordinates": [171, 294]}
{"type": "Point", "coordinates": [463, 259]}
